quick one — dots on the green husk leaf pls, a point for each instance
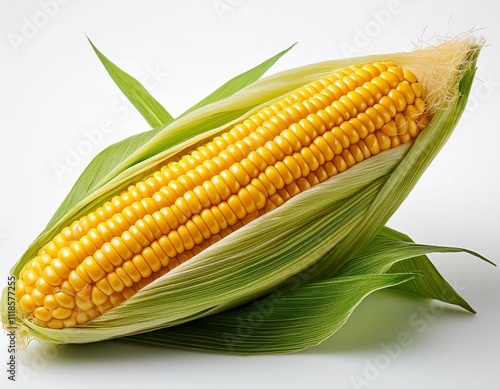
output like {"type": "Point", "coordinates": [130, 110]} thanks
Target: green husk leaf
{"type": "Point", "coordinates": [432, 284]}
{"type": "Point", "coordinates": [393, 252]}
{"type": "Point", "coordinates": [239, 82]}
{"type": "Point", "coordinates": [154, 113]}
{"type": "Point", "coordinates": [280, 323]}
{"type": "Point", "coordinates": [299, 316]}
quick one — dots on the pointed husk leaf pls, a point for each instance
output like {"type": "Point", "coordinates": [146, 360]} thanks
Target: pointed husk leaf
{"type": "Point", "coordinates": [154, 113]}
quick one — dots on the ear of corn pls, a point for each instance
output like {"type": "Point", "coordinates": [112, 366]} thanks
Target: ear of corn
{"type": "Point", "coordinates": [122, 277]}
{"type": "Point", "coordinates": [311, 135]}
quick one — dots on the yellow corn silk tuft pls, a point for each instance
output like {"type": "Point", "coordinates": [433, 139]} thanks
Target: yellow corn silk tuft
{"type": "Point", "coordinates": [314, 133]}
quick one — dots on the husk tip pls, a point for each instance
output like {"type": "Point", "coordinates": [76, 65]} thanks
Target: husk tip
{"type": "Point", "coordinates": [440, 67]}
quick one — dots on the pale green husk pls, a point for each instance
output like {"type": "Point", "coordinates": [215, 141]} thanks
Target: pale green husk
{"type": "Point", "coordinates": [331, 237]}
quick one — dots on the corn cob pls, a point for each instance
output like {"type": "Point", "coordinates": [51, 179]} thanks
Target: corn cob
{"type": "Point", "coordinates": [314, 133]}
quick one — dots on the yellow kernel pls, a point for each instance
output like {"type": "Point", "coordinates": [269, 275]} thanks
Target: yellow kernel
{"type": "Point", "coordinates": [42, 313]}
{"type": "Point", "coordinates": [228, 213]}
{"type": "Point", "coordinates": [397, 71]}
{"type": "Point", "coordinates": [395, 141]}
{"type": "Point", "coordinates": [131, 242]}
{"type": "Point", "coordinates": [105, 307]}
{"type": "Point", "coordinates": [382, 84]}
{"type": "Point", "coordinates": [82, 317]}
{"type": "Point", "coordinates": [309, 158]}
{"type": "Point", "coordinates": [43, 286]}
{"type": "Point", "coordinates": [64, 300]}
{"type": "Point", "coordinates": [419, 104]}
{"type": "Point", "coordinates": [391, 78]}
{"type": "Point", "coordinates": [333, 142]}
{"type": "Point", "coordinates": [167, 246]}
{"type": "Point", "coordinates": [21, 288]}
{"type": "Point", "coordinates": [236, 206]}
{"type": "Point", "coordinates": [51, 276]}
{"type": "Point", "coordinates": [357, 98]}
{"type": "Point", "coordinates": [50, 302]}
{"type": "Point", "coordinates": [37, 297]}
{"type": "Point", "coordinates": [401, 123]}
{"type": "Point", "coordinates": [122, 249]}
{"type": "Point", "coordinates": [55, 324]}
{"type": "Point", "coordinates": [373, 90]}
{"type": "Point", "coordinates": [122, 277]}
{"type": "Point", "coordinates": [398, 99]}
{"type": "Point", "coordinates": [371, 142]}
{"type": "Point", "coordinates": [390, 129]}
{"type": "Point", "coordinates": [325, 149]}
{"type": "Point", "coordinates": [116, 299]}
{"type": "Point", "coordinates": [132, 271]}
{"type": "Point", "coordinates": [67, 288]}
{"type": "Point", "coordinates": [104, 286]}
{"type": "Point", "coordinates": [60, 268]}
{"type": "Point", "coordinates": [411, 112]}
{"type": "Point", "coordinates": [258, 198]}
{"type": "Point", "coordinates": [66, 255]}
{"type": "Point", "coordinates": [27, 304]}
{"type": "Point", "coordinates": [285, 172]}
{"type": "Point", "coordinates": [412, 128]}
{"type": "Point", "coordinates": [61, 313]}
{"type": "Point", "coordinates": [383, 140]}
{"type": "Point", "coordinates": [102, 261]}
{"type": "Point", "coordinates": [29, 277]}
{"type": "Point", "coordinates": [127, 293]}
{"type": "Point", "coordinates": [95, 237]}
{"type": "Point", "coordinates": [409, 76]}
{"type": "Point", "coordinates": [93, 270]}
{"type": "Point", "coordinates": [71, 322]}
{"type": "Point", "coordinates": [341, 137]}
{"type": "Point", "coordinates": [339, 163]}
{"type": "Point", "coordinates": [348, 159]}
{"type": "Point", "coordinates": [98, 298]}
{"type": "Point", "coordinates": [88, 246]}
{"type": "Point", "coordinates": [194, 232]}
{"type": "Point", "coordinates": [93, 313]}
{"type": "Point", "coordinates": [141, 265]}
{"type": "Point", "coordinates": [407, 91]}
{"type": "Point", "coordinates": [389, 105]}
{"type": "Point", "coordinates": [349, 130]}
{"type": "Point", "coordinates": [84, 303]}
{"type": "Point", "coordinates": [417, 89]}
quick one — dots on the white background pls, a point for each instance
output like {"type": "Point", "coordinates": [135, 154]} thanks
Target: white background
{"type": "Point", "coordinates": [54, 91]}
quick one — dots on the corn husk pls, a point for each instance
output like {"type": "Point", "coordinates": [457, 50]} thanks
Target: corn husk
{"type": "Point", "coordinates": [312, 260]}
